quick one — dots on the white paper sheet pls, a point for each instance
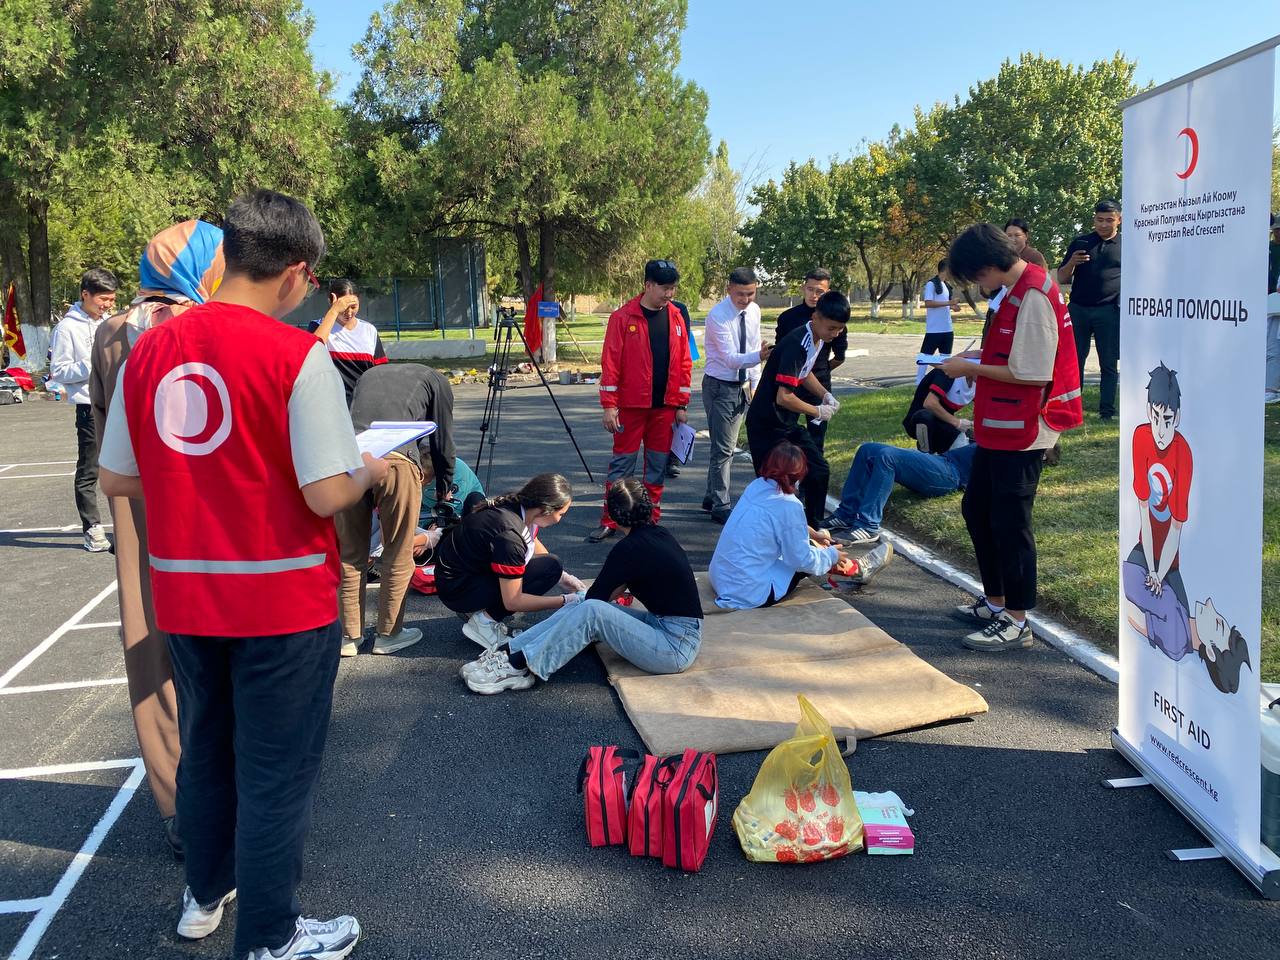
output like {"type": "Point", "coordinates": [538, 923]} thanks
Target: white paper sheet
{"type": "Point", "coordinates": [682, 442]}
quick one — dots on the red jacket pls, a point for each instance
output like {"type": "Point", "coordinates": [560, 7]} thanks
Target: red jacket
{"type": "Point", "coordinates": [1006, 416]}
{"type": "Point", "coordinates": [235, 550]}
{"type": "Point", "coordinates": [626, 378]}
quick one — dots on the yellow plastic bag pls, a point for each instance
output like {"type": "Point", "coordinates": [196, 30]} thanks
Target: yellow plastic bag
{"type": "Point", "coordinates": [801, 808]}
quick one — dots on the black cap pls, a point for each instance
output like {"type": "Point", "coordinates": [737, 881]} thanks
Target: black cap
{"type": "Point", "coordinates": [661, 272]}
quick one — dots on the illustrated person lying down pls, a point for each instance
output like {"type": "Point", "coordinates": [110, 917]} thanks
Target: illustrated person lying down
{"type": "Point", "coordinates": [647, 561]}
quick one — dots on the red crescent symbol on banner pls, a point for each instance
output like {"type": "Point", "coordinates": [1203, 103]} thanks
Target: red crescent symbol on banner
{"type": "Point", "coordinates": [212, 402]}
{"type": "Point", "coordinates": [1194, 140]}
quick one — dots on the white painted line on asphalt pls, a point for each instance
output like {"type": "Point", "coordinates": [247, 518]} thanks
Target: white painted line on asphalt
{"type": "Point", "coordinates": [53, 903]}
{"type": "Point", "coordinates": [70, 685]}
{"type": "Point", "coordinates": [23, 906]}
{"type": "Point", "coordinates": [70, 527]}
{"type": "Point", "coordinates": [95, 626]}
{"type": "Point", "coordinates": [54, 637]}
{"type": "Point", "coordinates": [37, 463]}
{"type": "Point", "coordinates": [9, 467]}
{"type": "Point", "coordinates": [38, 476]}
{"type": "Point", "coordinates": [61, 769]}
{"type": "Point", "coordinates": [1062, 638]}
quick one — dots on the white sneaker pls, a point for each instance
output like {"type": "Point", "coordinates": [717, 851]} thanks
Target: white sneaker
{"type": "Point", "coordinates": [349, 647]}
{"type": "Point", "coordinates": [405, 637]}
{"type": "Point", "coordinates": [315, 940]}
{"type": "Point", "coordinates": [95, 539]}
{"type": "Point", "coordinates": [494, 674]}
{"type": "Point", "coordinates": [469, 669]}
{"type": "Point", "coordinates": [484, 631]}
{"type": "Point", "coordinates": [198, 922]}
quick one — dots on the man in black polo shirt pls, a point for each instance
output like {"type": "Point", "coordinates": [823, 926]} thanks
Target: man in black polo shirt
{"type": "Point", "coordinates": [1092, 267]}
{"type": "Point", "coordinates": [774, 414]}
{"type": "Point", "coordinates": [816, 282]}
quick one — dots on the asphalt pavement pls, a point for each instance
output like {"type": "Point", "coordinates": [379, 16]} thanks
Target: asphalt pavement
{"type": "Point", "coordinates": [449, 824]}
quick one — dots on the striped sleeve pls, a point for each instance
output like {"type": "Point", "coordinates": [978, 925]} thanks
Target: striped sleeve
{"type": "Point", "coordinates": [507, 560]}
{"type": "Point", "coordinates": [791, 362]}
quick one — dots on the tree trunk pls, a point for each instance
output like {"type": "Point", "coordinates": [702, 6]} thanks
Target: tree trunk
{"type": "Point", "coordinates": [13, 260]}
{"type": "Point", "coordinates": [527, 284]}
{"type": "Point", "coordinates": [38, 257]}
{"type": "Point", "coordinates": [547, 272]}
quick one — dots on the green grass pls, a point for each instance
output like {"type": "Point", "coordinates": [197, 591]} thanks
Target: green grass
{"type": "Point", "coordinates": [1076, 516]}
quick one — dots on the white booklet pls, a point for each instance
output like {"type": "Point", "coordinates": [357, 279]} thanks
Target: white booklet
{"type": "Point", "coordinates": [383, 436]}
{"type": "Point", "coordinates": [682, 441]}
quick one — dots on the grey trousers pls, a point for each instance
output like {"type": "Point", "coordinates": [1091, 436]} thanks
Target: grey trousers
{"type": "Point", "coordinates": [1273, 353]}
{"type": "Point", "coordinates": [725, 404]}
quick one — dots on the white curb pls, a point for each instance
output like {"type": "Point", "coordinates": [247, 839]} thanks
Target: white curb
{"type": "Point", "coordinates": [1085, 653]}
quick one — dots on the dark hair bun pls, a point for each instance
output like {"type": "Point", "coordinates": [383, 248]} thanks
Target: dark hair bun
{"type": "Point", "coordinates": [628, 504]}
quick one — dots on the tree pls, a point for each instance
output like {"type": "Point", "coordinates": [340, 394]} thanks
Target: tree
{"type": "Point", "coordinates": [565, 128]}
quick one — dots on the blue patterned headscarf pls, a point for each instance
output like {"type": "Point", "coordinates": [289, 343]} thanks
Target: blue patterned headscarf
{"type": "Point", "coordinates": [183, 261]}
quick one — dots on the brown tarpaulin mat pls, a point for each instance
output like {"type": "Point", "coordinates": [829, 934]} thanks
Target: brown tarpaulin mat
{"type": "Point", "coordinates": [740, 693]}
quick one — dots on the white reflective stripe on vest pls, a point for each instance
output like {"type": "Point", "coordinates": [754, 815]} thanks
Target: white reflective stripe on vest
{"type": "Point", "coordinates": [1047, 285]}
{"type": "Point", "coordinates": [237, 566]}
{"type": "Point", "coordinates": [608, 389]}
{"type": "Point", "coordinates": [1016, 301]}
{"type": "Point", "coordinates": [1004, 424]}
{"type": "Point", "coordinates": [1063, 397]}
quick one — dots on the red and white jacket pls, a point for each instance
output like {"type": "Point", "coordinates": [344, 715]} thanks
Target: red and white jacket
{"type": "Point", "coordinates": [1006, 416]}
{"type": "Point", "coordinates": [626, 378]}
{"type": "Point", "coordinates": [235, 550]}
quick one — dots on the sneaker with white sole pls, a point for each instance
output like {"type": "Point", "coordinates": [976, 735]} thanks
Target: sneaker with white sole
{"type": "Point", "coordinates": [495, 674]}
{"type": "Point", "coordinates": [95, 539]}
{"type": "Point", "coordinates": [197, 921]}
{"type": "Point", "coordinates": [999, 635]}
{"type": "Point", "coordinates": [404, 637]}
{"type": "Point", "coordinates": [857, 536]}
{"type": "Point", "coordinates": [468, 669]}
{"type": "Point", "coordinates": [349, 647]}
{"type": "Point", "coordinates": [484, 631]}
{"type": "Point", "coordinates": [979, 610]}
{"type": "Point", "coordinates": [865, 568]}
{"type": "Point", "coordinates": [315, 940]}
{"type": "Point", "coordinates": [922, 438]}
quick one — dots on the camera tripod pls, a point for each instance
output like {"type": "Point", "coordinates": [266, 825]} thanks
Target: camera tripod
{"type": "Point", "coordinates": [498, 372]}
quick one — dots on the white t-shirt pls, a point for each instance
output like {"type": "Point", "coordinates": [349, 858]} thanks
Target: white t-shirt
{"type": "Point", "coordinates": [937, 319]}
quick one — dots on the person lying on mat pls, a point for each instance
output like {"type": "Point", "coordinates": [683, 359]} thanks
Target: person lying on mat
{"type": "Point", "coordinates": [662, 638]}
{"type": "Point", "coordinates": [492, 563]}
{"type": "Point", "coordinates": [767, 548]}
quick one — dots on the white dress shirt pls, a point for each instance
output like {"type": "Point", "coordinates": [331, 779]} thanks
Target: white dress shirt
{"type": "Point", "coordinates": [71, 351]}
{"type": "Point", "coordinates": [725, 355]}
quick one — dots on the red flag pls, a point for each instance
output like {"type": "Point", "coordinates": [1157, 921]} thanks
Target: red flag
{"type": "Point", "coordinates": [532, 322]}
{"type": "Point", "coordinates": [12, 332]}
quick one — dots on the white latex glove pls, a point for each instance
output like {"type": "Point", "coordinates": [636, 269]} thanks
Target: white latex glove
{"type": "Point", "coordinates": [826, 411]}
{"type": "Point", "coordinates": [433, 537]}
{"type": "Point", "coordinates": [829, 400]}
{"type": "Point", "coordinates": [965, 425]}
{"type": "Point", "coordinates": [574, 598]}
{"type": "Point", "coordinates": [571, 584]}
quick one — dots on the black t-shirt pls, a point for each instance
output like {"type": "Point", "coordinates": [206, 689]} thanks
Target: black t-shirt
{"type": "Point", "coordinates": [652, 565]}
{"type": "Point", "coordinates": [937, 383]}
{"type": "Point", "coordinates": [795, 318]}
{"type": "Point", "coordinates": [1097, 281]}
{"type": "Point", "coordinates": [788, 365]}
{"type": "Point", "coordinates": [490, 542]}
{"type": "Point", "coordinates": [659, 331]}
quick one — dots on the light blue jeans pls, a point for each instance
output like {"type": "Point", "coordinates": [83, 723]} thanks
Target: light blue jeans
{"type": "Point", "coordinates": [654, 644]}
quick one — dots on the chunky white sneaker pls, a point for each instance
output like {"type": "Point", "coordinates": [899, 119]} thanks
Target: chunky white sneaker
{"type": "Point", "coordinates": [495, 674]}
{"type": "Point", "coordinates": [95, 539]}
{"type": "Point", "coordinates": [349, 647]}
{"type": "Point", "coordinates": [198, 922]}
{"type": "Point", "coordinates": [999, 635]}
{"type": "Point", "coordinates": [405, 637]}
{"type": "Point", "coordinates": [315, 940]}
{"type": "Point", "coordinates": [469, 668]}
{"type": "Point", "coordinates": [488, 633]}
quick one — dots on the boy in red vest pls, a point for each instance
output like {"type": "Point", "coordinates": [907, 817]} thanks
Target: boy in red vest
{"type": "Point", "coordinates": [645, 378]}
{"type": "Point", "coordinates": [1028, 392]}
{"type": "Point", "coordinates": [232, 428]}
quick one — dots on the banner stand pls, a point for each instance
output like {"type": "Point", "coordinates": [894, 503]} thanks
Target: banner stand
{"type": "Point", "coordinates": [1267, 883]}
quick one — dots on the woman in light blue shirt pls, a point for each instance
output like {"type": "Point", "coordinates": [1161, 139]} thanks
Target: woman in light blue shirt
{"type": "Point", "coordinates": [767, 548]}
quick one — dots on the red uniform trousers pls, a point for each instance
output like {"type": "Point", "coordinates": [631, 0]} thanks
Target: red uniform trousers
{"type": "Point", "coordinates": [652, 427]}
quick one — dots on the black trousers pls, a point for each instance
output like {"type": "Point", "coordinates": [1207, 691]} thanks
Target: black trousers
{"type": "Point", "coordinates": [1102, 323]}
{"type": "Point", "coordinates": [997, 510]}
{"type": "Point", "coordinates": [791, 588]}
{"type": "Point", "coordinates": [938, 342]}
{"type": "Point", "coordinates": [252, 717]}
{"type": "Point", "coordinates": [941, 434]}
{"type": "Point", "coordinates": [469, 593]}
{"type": "Point", "coordinates": [813, 492]}
{"type": "Point", "coordinates": [86, 479]}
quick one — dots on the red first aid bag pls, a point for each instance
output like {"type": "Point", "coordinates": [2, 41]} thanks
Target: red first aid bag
{"type": "Point", "coordinates": [644, 820]}
{"type": "Point", "coordinates": [424, 579]}
{"type": "Point", "coordinates": [602, 781]}
{"type": "Point", "coordinates": [689, 812]}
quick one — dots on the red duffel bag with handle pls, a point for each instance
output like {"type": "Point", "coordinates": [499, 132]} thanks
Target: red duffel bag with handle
{"type": "Point", "coordinates": [689, 811]}
{"type": "Point", "coordinates": [644, 820]}
{"type": "Point", "coordinates": [602, 781]}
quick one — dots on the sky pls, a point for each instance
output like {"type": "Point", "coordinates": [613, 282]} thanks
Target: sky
{"type": "Point", "coordinates": [793, 79]}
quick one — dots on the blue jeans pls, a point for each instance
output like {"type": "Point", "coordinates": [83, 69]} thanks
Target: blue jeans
{"type": "Point", "coordinates": [877, 467]}
{"type": "Point", "coordinates": [654, 644]}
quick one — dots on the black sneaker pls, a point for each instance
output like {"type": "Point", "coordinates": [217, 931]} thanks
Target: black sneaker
{"type": "Point", "coordinates": [721, 515]}
{"type": "Point", "coordinates": [600, 533]}
{"type": "Point", "coordinates": [707, 505]}
{"type": "Point", "coordinates": [999, 635]}
{"type": "Point", "coordinates": [855, 536]}
{"type": "Point", "coordinates": [673, 467]}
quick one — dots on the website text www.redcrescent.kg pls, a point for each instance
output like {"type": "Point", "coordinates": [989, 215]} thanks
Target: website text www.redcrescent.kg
{"type": "Point", "coordinates": [1181, 764]}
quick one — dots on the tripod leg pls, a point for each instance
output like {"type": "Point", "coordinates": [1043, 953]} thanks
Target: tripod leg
{"type": "Point", "coordinates": [556, 403]}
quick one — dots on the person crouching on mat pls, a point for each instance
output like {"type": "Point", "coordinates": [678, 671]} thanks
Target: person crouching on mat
{"type": "Point", "coordinates": [767, 547]}
{"type": "Point", "coordinates": [662, 638]}
{"type": "Point", "coordinates": [492, 563]}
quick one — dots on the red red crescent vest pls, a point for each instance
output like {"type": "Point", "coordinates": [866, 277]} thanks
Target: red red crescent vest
{"type": "Point", "coordinates": [1006, 416]}
{"type": "Point", "coordinates": [235, 551]}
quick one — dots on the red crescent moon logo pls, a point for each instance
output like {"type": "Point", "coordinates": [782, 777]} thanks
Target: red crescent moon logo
{"type": "Point", "coordinates": [212, 402]}
{"type": "Point", "coordinates": [1194, 140]}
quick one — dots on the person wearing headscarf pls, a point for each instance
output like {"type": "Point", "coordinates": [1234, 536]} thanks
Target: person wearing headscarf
{"type": "Point", "coordinates": [180, 268]}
